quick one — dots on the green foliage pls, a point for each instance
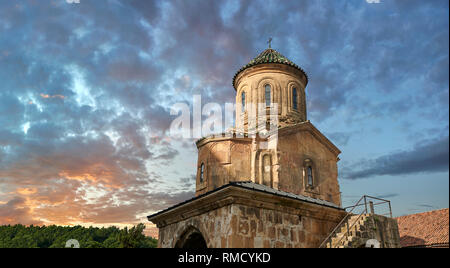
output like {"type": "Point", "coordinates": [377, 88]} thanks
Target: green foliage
{"type": "Point", "coordinates": [133, 237]}
{"type": "Point", "coordinates": [20, 236]}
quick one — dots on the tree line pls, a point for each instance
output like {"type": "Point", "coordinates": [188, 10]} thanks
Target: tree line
{"type": "Point", "coordinates": [21, 236]}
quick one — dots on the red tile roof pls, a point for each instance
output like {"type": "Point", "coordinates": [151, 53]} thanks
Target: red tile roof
{"type": "Point", "coordinates": [424, 229]}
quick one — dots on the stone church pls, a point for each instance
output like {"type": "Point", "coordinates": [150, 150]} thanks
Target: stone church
{"type": "Point", "coordinates": [271, 181]}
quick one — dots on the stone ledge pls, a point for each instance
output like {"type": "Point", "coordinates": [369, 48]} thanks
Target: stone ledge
{"type": "Point", "coordinates": [231, 194]}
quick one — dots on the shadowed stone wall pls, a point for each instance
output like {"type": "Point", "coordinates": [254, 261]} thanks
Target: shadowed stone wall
{"type": "Point", "coordinates": [255, 221]}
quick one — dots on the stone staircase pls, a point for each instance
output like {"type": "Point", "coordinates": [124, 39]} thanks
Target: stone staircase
{"type": "Point", "coordinates": [355, 234]}
{"type": "Point", "coordinates": [365, 228]}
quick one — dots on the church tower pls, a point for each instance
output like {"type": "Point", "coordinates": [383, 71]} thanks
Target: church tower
{"type": "Point", "coordinates": [271, 181]}
{"type": "Point", "coordinates": [271, 80]}
{"type": "Point", "coordinates": [273, 143]}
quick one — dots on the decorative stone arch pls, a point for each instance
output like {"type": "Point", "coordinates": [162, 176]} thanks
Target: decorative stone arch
{"type": "Point", "coordinates": [204, 183]}
{"type": "Point", "coordinates": [309, 162]}
{"type": "Point", "coordinates": [207, 161]}
{"type": "Point", "coordinates": [191, 238]}
{"type": "Point", "coordinates": [301, 102]}
{"type": "Point", "coordinates": [275, 91]}
{"type": "Point", "coordinates": [202, 169]}
{"type": "Point", "coordinates": [248, 97]}
{"type": "Point", "coordinates": [290, 98]}
{"type": "Point", "coordinates": [261, 172]}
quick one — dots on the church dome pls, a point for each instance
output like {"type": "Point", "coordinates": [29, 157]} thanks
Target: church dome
{"type": "Point", "coordinates": [270, 56]}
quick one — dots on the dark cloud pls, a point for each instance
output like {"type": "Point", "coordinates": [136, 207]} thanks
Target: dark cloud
{"type": "Point", "coordinates": [188, 182]}
{"type": "Point", "coordinates": [340, 138]}
{"type": "Point", "coordinates": [387, 195]}
{"type": "Point", "coordinates": [16, 211]}
{"type": "Point", "coordinates": [426, 157]}
{"type": "Point", "coordinates": [426, 206]}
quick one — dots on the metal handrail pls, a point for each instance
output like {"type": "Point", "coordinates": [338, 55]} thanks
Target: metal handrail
{"type": "Point", "coordinates": [371, 197]}
{"type": "Point", "coordinates": [349, 214]}
{"type": "Point", "coordinates": [339, 224]}
{"type": "Point", "coordinates": [363, 205]}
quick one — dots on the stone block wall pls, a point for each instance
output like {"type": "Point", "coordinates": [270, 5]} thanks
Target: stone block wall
{"type": "Point", "coordinates": [225, 160]}
{"type": "Point", "coordinates": [386, 231]}
{"type": "Point", "coordinates": [265, 228]}
{"type": "Point", "coordinates": [294, 149]}
{"type": "Point", "coordinates": [244, 226]}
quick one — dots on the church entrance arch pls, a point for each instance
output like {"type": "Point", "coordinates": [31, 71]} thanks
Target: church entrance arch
{"type": "Point", "coordinates": [192, 238]}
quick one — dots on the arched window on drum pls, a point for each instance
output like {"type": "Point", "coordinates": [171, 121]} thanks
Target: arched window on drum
{"type": "Point", "coordinates": [294, 99]}
{"type": "Point", "coordinates": [268, 95]}
{"type": "Point", "coordinates": [202, 173]}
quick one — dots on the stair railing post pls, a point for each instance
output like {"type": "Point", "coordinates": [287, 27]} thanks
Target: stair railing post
{"type": "Point", "coordinates": [365, 204]}
{"type": "Point", "coordinates": [372, 209]}
{"type": "Point", "coordinates": [348, 227]}
{"type": "Point", "coordinates": [390, 209]}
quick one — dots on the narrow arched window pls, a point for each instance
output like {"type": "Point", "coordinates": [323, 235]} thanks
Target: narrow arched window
{"type": "Point", "coordinates": [267, 170]}
{"type": "Point", "coordinates": [267, 95]}
{"type": "Point", "coordinates": [294, 99]}
{"type": "Point", "coordinates": [243, 101]}
{"type": "Point", "coordinates": [310, 176]}
{"type": "Point", "coordinates": [202, 172]}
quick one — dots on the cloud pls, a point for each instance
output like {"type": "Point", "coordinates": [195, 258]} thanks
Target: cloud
{"type": "Point", "coordinates": [16, 211]}
{"type": "Point", "coordinates": [426, 206]}
{"type": "Point", "coordinates": [341, 138]}
{"type": "Point", "coordinates": [46, 96]}
{"type": "Point", "coordinates": [387, 195]}
{"type": "Point", "coordinates": [427, 156]}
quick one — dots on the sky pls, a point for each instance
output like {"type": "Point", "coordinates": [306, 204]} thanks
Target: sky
{"type": "Point", "coordinates": [86, 91]}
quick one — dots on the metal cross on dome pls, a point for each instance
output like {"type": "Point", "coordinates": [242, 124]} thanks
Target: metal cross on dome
{"type": "Point", "coordinates": [270, 40]}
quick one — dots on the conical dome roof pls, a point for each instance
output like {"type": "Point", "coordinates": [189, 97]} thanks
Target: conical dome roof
{"type": "Point", "coordinates": [270, 56]}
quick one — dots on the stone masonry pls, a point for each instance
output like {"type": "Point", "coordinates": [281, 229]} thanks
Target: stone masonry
{"type": "Point", "coordinates": [236, 217]}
